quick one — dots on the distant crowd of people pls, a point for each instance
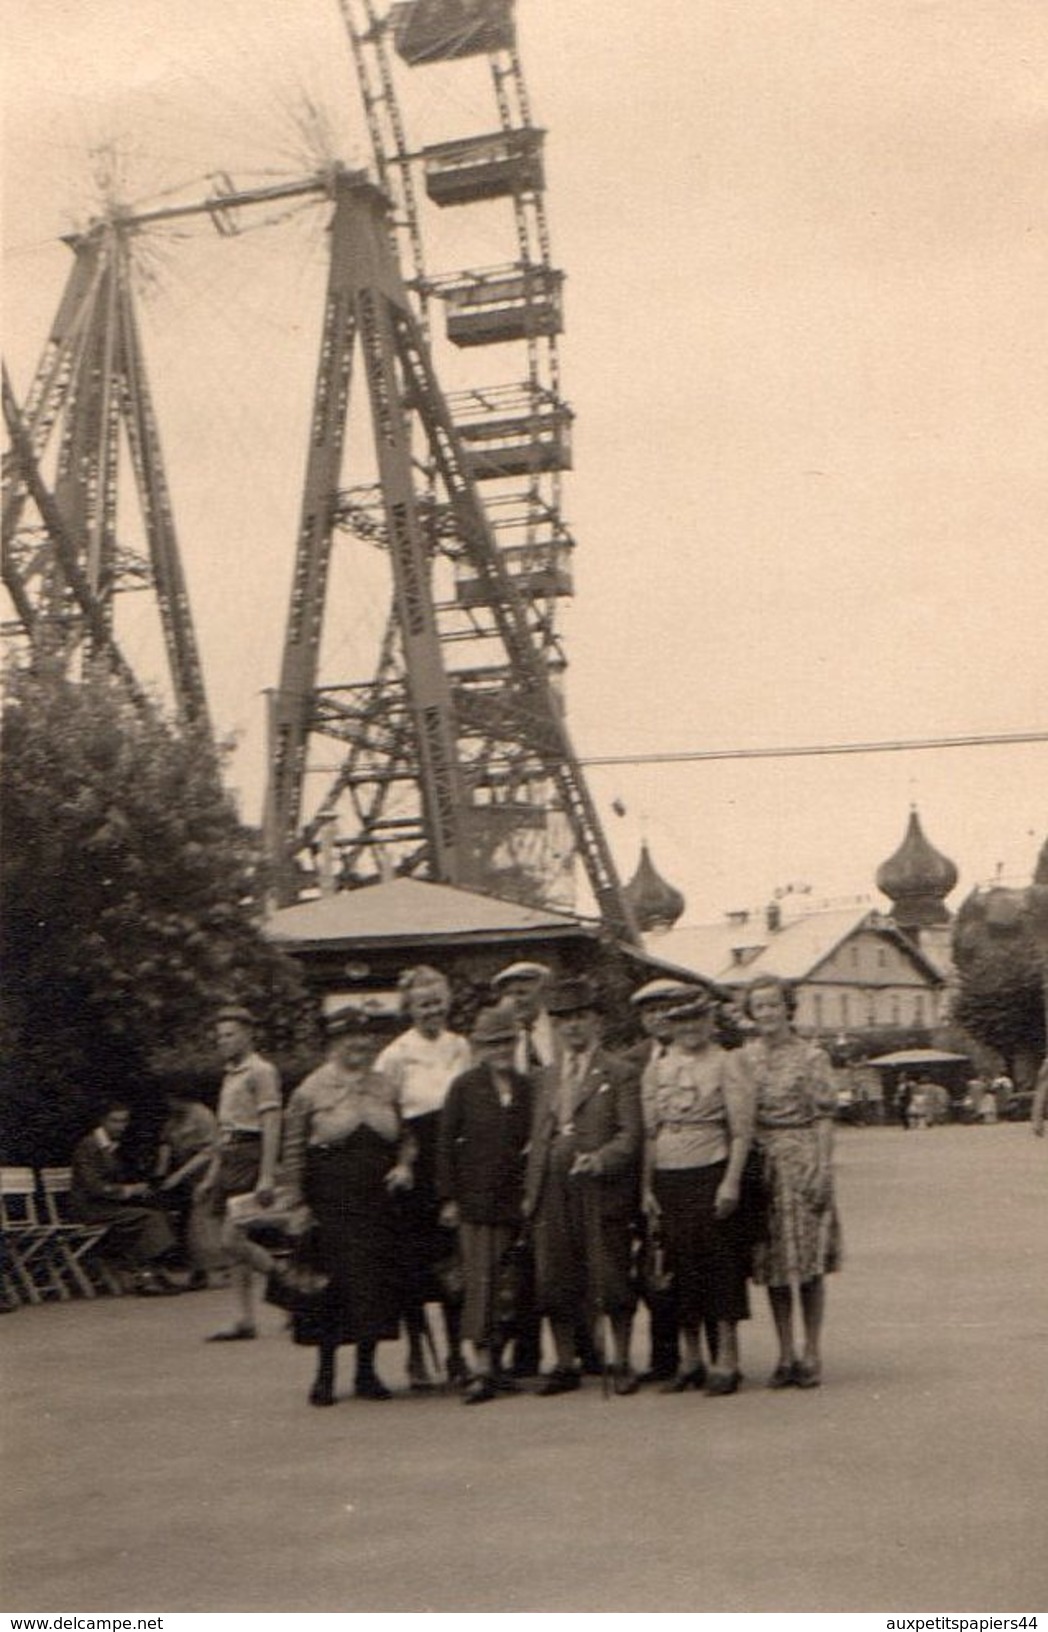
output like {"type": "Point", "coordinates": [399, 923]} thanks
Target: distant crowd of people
{"type": "Point", "coordinates": [523, 1174]}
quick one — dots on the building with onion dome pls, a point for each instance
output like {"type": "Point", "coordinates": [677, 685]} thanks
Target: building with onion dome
{"type": "Point", "coordinates": [917, 879]}
{"type": "Point", "coordinates": [656, 904]}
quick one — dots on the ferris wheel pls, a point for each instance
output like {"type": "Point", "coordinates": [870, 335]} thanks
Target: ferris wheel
{"type": "Point", "coordinates": [499, 323]}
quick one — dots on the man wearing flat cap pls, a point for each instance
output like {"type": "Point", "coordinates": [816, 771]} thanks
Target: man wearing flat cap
{"type": "Point", "coordinates": [249, 1116]}
{"type": "Point", "coordinates": [524, 985]}
{"type": "Point", "coordinates": [651, 1002]}
{"type": "Point", "coordinates": [582, 1187]}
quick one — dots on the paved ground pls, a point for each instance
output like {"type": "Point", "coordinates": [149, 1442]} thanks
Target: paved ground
{"type": "Point", "coordinates": [145, 1471]}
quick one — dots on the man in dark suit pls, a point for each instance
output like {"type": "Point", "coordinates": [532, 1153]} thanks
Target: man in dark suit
{"type": "Point", "coordinates": [101, 1193]}
{"type": "Point", "coordinates": [581, 1187]}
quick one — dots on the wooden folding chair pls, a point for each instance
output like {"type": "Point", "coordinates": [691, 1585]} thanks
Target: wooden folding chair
{"type": "Point", "coordinates": [30, 1240]}
{"type": "Point", "coordinates": [74, 1241]}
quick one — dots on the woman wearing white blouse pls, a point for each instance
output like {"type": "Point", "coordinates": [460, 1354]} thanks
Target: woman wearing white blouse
{"type": "Point", "coordinates": [422, 1063]}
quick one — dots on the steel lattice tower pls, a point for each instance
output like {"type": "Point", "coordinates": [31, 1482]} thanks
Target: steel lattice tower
{"type": "Point", "coordinates": [64, 563]}
{"type": "Point", "coordinates": [461, 741]}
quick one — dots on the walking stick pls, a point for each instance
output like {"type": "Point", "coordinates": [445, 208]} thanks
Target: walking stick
{"type": "Point", "coordinates": [595, 1252]}
{"type": "Point", "coordinates": [429, 1340]}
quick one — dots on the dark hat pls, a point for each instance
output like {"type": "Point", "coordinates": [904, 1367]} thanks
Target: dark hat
{"type": "Point", "coordinates": [348, 1021]}
{"type": "Point", "coordinates": [572, 997]}
{"type": "Point", "coordinates": [699, 1004]}
{"type": "Point", "coordinates": [497, 1024]}
{"type": "Point", "coordinates": [237, 1012]}
{"type": "Point", "coordinates": [662, 990]}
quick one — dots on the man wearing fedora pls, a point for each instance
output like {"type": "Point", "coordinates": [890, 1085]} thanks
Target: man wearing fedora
{"type": "Point", "coordinates": [249, 1117]}
{"type": "Point", "coordinates": [582, 1187]}
{"type": "Point", "coordinates": [484, 1129]}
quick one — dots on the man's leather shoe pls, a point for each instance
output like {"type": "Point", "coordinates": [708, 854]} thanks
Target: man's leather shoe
{"type": "Point", "coordinates": [721, 1382]}
{"type": "Point", "coordinates": [560, 1381]}
{"type": "Point", "coordinates": [624, 1380]}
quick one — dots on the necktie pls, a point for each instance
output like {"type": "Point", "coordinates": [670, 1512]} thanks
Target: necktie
{"type": "Point", "coordinates": [571, 1081]}
{"type": "Point", "coordinates": [532, 1057]}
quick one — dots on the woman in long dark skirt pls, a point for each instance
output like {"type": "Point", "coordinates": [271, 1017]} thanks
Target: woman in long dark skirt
{"type": "Point", "coordinates": [698, 1121]}
{"type": "Point", "coordinates": [346, 1155]}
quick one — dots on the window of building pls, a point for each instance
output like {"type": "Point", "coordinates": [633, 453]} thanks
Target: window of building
{"type": "Point", "coordinates": [918, 1009]}
{"type": "Point", "coordinates": [845, 1009]}
{"type": "Point", "coordinates": [816, 1006]}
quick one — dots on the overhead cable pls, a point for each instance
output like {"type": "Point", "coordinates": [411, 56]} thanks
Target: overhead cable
{"type": "Point", "coordinates": [808, 750]}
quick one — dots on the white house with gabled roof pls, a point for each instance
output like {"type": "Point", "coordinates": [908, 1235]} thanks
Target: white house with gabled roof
{"type": "Point", "coordinates": [852, 968]}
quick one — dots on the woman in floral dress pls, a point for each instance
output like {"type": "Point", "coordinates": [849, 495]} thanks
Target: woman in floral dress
{"type": "Point", "coordinates": [792, 1081]}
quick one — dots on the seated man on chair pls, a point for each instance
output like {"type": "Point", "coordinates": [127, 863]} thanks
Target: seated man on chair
{"type": "Point", "coordinates": [139, 1237]}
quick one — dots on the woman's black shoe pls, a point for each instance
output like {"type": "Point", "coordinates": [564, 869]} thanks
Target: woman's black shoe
{"type": "Point", "coordinates": [458, 1371]}
{"type": "Point", "coordinates": [371, 1388]}
{"type": "Point", "coordinates": [695, 1378]}
{"type": "Point", "coordinates": [479, 1390]}
{"type": "Point", "coordinates": [322, 1394]}
{"type": "Point", "coordinates": [721, 1382]}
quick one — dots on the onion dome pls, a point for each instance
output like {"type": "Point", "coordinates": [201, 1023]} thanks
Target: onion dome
{"type": "Point", "coordinates": [656, 904]}
{"type": "Point", "coordinates": [917, 880]}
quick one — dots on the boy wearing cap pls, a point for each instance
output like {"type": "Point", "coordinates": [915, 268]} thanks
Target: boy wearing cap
{"type": "Point", "coordinates": [582, 1187]}
{"type": "Point", "coordinates": [481, 1149]}
{"type": "Point", "coordinates": [249, 1116]}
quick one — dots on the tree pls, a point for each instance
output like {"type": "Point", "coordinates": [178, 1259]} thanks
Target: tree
{"type": "Point", "coordinates": [1000, 968]}
{"type": "Point", "coordinates": [131, 905]}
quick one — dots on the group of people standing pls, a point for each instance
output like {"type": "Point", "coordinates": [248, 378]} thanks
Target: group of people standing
{"type": "Point", "coordinates": [521, 1175]}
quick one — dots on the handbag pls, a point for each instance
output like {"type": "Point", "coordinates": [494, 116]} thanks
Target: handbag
{"type": "Point", "coordinates": [450, 1277]}
{"type": "Point", "coordinates": [656, 1272]}
{"type": "Point", "coordinates": [299, 1285]}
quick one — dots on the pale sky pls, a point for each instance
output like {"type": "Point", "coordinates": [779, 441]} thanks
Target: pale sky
{"type": "Point", "coordinates": [806, 251]}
